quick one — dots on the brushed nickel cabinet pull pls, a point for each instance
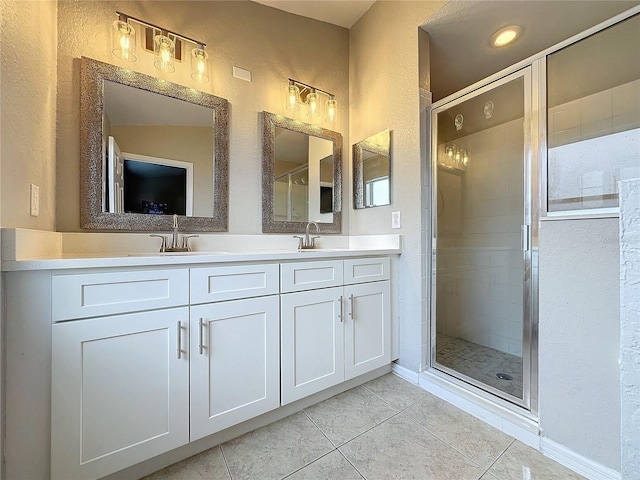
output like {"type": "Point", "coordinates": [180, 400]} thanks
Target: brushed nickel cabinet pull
{"type": "Point", "coordinates": [201, 346]}
{"type": "Point", "coordinates": [351, 310]}
{"type": "Point", "coordinates": [179, 339]}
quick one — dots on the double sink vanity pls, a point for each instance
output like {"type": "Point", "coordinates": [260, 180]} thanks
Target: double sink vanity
{"type": "Point", "coordinates": [143, 354]}
{"type": "Point", "coordinates": [121, 358]}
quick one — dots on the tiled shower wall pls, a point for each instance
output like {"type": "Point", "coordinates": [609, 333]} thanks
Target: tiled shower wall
{"type": "Point", "coordinates": [583, 132]}
{"type": "Point", "coordinates": [479, 257]}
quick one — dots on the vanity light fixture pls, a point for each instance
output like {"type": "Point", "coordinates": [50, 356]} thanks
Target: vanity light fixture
{"type": "Point", "coordinates": [167, 46]}
{"type": "Point", "coordinates": [506, 35]}
{"type": "Point", "coordinates": [300, 93]}
{"type": "Point", "coordinates": [123, 39]}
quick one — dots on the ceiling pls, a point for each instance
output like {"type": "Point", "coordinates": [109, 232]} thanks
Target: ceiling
{"type": "Point", "coordinates": [459, 35]}
{"type": "Point", "coordinates": [343, 13]}
{"type": "Point", "coordinates": [460, 53]}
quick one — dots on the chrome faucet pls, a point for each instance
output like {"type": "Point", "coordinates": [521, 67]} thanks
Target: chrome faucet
{"type": "Point", "coordinates": [178, 244]}
{"type": "Point", "coordinates": [307, 242]}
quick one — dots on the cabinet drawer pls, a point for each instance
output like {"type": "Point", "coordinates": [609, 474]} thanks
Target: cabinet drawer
{"type": "Point", "coordinates": [295, 277]}
{"type": "Point", "coordinates": [361, 270]}
{"type": "Point", "coordinates": [213, 284]}
{"type": "Point", "coordinates": [96, 294]}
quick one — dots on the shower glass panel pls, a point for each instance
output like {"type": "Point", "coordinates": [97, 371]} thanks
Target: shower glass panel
{"type": "Point", "coordinates": [481, 238]}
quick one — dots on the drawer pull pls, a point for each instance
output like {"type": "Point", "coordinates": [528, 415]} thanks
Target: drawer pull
{"type": "Point", "coordinates": [351, 311]}
{"type": "Point", "coordinates": [179, 339]}
{"type": "Point", "coordinates": [201, 336]}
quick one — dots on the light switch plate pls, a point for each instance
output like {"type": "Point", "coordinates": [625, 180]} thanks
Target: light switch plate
{"type": "Point", "coordinates": [395, 220]}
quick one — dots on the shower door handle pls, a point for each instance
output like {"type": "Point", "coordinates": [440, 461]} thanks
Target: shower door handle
{"type": "Point", "coordinates": [524, 238]}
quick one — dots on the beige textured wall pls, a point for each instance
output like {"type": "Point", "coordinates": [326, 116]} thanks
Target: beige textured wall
{"type": "Point", "coordinates": [28, 99]}
{"type": "Point", "coordinates": [273, 44]}
{"type": "Point", "coordinates": [384, 93]}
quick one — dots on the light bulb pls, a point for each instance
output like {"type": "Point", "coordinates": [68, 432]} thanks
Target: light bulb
{"type": "Point", "coordinates": [312, 101]}
{"type": "Point", "coordinates": [199, 65]}
{"type": "Point", "coordinates": [123, 41]}
{"type": "Point", "coordinates": [293, 94]}
{"type": "Point", "coordinates": [164, 49]}
{"type": "Point", "coordinates": [332, 109]}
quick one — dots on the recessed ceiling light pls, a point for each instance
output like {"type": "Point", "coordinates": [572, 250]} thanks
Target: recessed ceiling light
{"type": "Point", "coordinates": [505, 35]}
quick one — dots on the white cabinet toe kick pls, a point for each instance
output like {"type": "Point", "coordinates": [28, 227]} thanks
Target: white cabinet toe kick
{"type": "Point", "coordinates": [144, 361]}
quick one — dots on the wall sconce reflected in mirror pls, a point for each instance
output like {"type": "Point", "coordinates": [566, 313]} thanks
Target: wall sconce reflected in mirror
{"type": "Point", "coordinates": [167, 46]}
{"type": "Point", "coordinates": [299, 93]}
{"type": "Point", "coordinates": [455, 158]}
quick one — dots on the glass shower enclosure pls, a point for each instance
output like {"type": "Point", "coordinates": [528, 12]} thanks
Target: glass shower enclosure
{"type": "Point", "coordinates": [482, 276]}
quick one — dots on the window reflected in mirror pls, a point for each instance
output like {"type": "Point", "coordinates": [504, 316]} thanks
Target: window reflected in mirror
{"type": "Point", "coordinates": [372, 171]}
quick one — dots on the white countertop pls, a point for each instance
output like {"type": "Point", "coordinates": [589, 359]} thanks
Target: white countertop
{"type": "Point", "coordinates": [191, 258]}
{"type": "Point", "coordinates": [42, 250]}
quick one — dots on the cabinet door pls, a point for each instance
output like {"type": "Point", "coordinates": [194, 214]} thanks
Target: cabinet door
{"type": "Point", "coordinates": [367, 328]}
{"type": "Point", "coordinates": [120, 391]}
{"type": "Point", "coordinates": [312, 339]}
{"type": "Point", "coordinates": [234, 363]}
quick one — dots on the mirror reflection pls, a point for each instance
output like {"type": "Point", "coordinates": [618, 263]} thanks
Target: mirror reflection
{"type": "Point", "coordinates": [301, 176]}
{"type": "Point", "coordinates": [150, 149]}
{"type": "Point", "coordinates": [303, 169]}
{"type": "Point", "coordinates": [159, 153]}
{"type": "Point", "coordinates": [372, 171]}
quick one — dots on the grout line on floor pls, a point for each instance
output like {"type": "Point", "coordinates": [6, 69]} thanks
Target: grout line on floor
{"type": "Point", "coordinates": [305, 466]}
{"type": "Point", "coordinates": [226, 464]}
{"type": "Point", "coordinates": [351, 463]}
{"type": "Point", "coordinates": [321, 431]}
{"type": "Point", "coordinates": [443, 441]}
{"type": "Point", "coordinates": [496, 460]}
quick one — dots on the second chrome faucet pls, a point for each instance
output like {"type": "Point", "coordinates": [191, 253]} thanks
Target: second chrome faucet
{"type": "Point", "coordinates": [308, 242]}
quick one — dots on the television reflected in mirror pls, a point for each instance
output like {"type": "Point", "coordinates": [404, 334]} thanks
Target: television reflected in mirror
{"type": "Point", "coordinates": [150, 149]}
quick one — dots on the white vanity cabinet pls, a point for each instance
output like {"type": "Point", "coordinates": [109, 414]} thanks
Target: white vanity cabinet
{"type": "Point", "coordinates": [120, 383]}
{"type": "Point", "coordinates": [335, 323]}
{"type": "Point", "coordinates": [143, 359]}
{"type": "Point", "coordinates": [235, 347]}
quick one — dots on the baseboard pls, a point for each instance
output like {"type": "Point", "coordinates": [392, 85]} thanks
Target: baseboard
{"type": "Point", "coordinates": [408, 375]}
{"type": "Point", "coordinates": [576, 462]}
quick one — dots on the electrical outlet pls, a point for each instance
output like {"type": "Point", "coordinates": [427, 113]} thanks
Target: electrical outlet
{"type": "Point", "coordinates": [395, 220]}
{"type": "Point", "coordinates": [35, 200]}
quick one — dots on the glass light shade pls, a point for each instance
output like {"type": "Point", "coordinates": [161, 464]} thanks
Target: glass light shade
{"type": "Point", "coordinates": [312, 102]}
{"type": "Point", "coordinates": [199, 65]}
{"type": "Point", "coordinates": [451, 151]}
{"type": "Point", "coordinates": [123, 41]}
{"type": "Point", "coordinates": [165, 52]}
{"type": "Point", "coordinates": [332, 109]}
{"type": "Point", "coordinates": [293, 96]}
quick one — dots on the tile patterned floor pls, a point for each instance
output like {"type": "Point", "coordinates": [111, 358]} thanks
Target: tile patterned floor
{"type": "Point", "coordinates": [480, 363]}
{"type": "Point", "coordinates": [385, 429]}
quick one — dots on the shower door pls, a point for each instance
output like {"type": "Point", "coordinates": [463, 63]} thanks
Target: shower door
{"type": "Point", "coordinates": [481, 273]}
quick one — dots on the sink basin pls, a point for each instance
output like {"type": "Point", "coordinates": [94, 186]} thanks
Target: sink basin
{"type": "Point", "coordinates": [174, 254]}
{"type": "Point", "coordinates": [323, 250]}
